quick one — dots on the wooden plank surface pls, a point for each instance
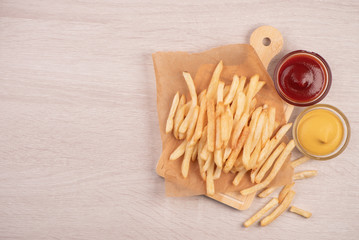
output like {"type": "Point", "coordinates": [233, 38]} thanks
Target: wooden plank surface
{"type": "Point", "coordinates": [79, 135]}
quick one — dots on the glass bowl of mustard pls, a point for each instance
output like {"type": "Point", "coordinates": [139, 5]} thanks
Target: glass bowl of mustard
{"type": "Point", "coordinates": [321, 132]}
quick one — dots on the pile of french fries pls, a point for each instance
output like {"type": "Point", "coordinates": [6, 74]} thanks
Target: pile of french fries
{"type": "Point", "coordinates": [223, 130]}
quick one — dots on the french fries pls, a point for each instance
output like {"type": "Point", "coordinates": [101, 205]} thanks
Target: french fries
{"type": "Point", "coordinates": [300, 212]}
{"type": "Point", "coordinates": [279, 210]}
{"type": "Point", "coordinates": [272, 203]}
{"type": "Point", "coordinates": [223, 130]}
{"type": "Point", "coordinates": [305, 174]}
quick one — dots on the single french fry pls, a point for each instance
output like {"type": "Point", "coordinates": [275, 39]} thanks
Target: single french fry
{"type": "Point", "coordinates": [265, 133]}
{"type": "Point", "coordinates": [179, 116]}
{"type": "Point", "coordinates": [285, 191]}
{"type": "Point", "coordinates": [269, 162]}
{"type": "Point", "coordinates": [227, 152]}
{"type": "Point", "coordinates": [192, 124]}
{"type": "Point", "coordinates": [208, 162]}
{"type": "Point", "coordinates": [239, 177]}
{"type": "Point", "coordinates": [169, 123]}
{"type": "Point", "coordinates": [218, 158]}
{"type": "Point", "coordinates": [204, 153]}
{"type": "Point", "coordinates": [259, 86]}
{"type": "Point", "coordinates": [242, 81]}
{"type": "Point", "coordinates": [288, 112]}
{"type": "Point", "coordinates": [191, 87]}
{"type": "Point", "coordinates": [276, 167]}
{"type": "Point", "coordinates": [273, 202]}
{"type": "Point", "coordinates": [266, 192]}
{"type": "Point", "coordinates": [185, 124]}
{"type": "Point", "coordinates": [279, 210]}
{"type": "Point", "coordinates": [201, 118]}
{"type": "Point", "coordinates": [305, 174]}
{"type": "Point", "coordinates": [254, 158]}
{"type": "Point", "coordinates": [263, 155]}
{"type": "Point", "coordinates": [258, 130]}
{"type": "Point", "coordinates": [251, 90]}
{"type": "Point", "coordinates": [201, 170]}
{"type": "Point", "coordinates": [217, 173]}
{"type": "Point", "coordinates": [241, 100]}
{"type": "Point", "coordinates": [271, 120]}
{"type": "Point", "coordinates": [211, 126]}
{"type": "Point", "coordinates": [202, 96]}
{"type": "Point", "coordinates": [209, 180]}
{"type": "Point", "coordinates": [219, 142]}
{"type": "Point", "coordinates": [232, 91]}
{"type": "Point", "coordinates": [194, 153]}
{"type": "Point", "coordinates": [181, 136]}
{"type": "Point", "coordinates": [229, 116]}
{"type": "Point", "coordinates": [238, 129]}
{"type": "Point", "coordinates": [299, 161]}
{"type": "Point", "coordinates": [300, 212]}
{"type": "Point", "coordinates": [213, 85]}
{"type": "Point", "coordinates": [186, 160]}
{"type": "Point", "coordinates": [226, 91]}
{"type": "Point", "coordinates": [235, 152]}
{"type": "Point", "coordinates": [179, 151]}
{"type": "Point", "coordinates": [220, 92]}
{"type": "Point", "coordinates": [252, 106]}
{"type": "Point", "coordinates": [224, 125]}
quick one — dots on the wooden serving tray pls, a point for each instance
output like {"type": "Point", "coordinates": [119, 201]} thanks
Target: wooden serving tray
{"type": "Point", "coordinates": [265, 53]}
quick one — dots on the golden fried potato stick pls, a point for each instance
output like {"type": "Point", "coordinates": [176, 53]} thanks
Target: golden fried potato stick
{"type": "Point", "coordinates": [232, 91]}
{"type": "Point", "coordinates": [208, 162]}
{"type": "Point", "coordinates": [260, 84]}
{"type": "Point", "coordinates": [258, 130]}
{"type": "Point", "coordinates": [217, 173]}
{"type": "Point", "coordinates": [300, 212]}
{"type": "Point", "coordinates": [209, 179]}
{"type": "Point", "coordinates": [191, 88]}
{"type": "Point", "coordinates": [201, 96]}
{"type": "Point", "coordinates": [276, 167]}
{"type": "Point", "coordinates": [227, 152]}
{"type": "Point", "coordinates": [218, 158]}
{"type": "Point", "coordinates": [305, 174]}
{"type": "Point", "coordinates": [271, 120]}
{"type": "Point", "coordinates": [235, 152]}
{"type": "Point", "coordinates": [252, 106]}
{"type": "Point", "coordinates": [239, 125]}
{"type": "Point", "coordinates": [279, 210]}
{"type": "Point", "coordinates": [299, 161]}
{"type": "Point", "coordinates": [285, 191]}
{"type": "Point", "coordinates": [272, 203]}
{"type": "Point", "coordinates": [241, 100]}
{"type": "Point", "coordinates": [179, 151]}
{"type": "Point", "coordinates": [204, 153]}
{"type": "Point", "coordinates": [226, 90]}
{"type": "Point", "coordinates": [179, 116]}
{"type": "Point", "coordinates": [239, 176]}
{"type": "Point", "coordinates": [219, 142]}
{"type": "Point", "coordinates": [228, 129]}
{"type": "Point", "coordinates": [211, 125]}
{"type": "Point", "coordinates": [192, 125]}
{"type": "Point", "coordinates": [251, 90]}
{"type": "Point", "coordinates": [242, 82]}
{"type": "Point", "coordinates": [269, 162]}
{"type": "Point", "coordinates": [186, 160]}
{"type": "Point", "coordinates": [220, 92]}
{"type": "Point", "coordinates": [265, 131]}
{"type": "Point", "coordinates": [254, 158]}
{"type": "Point", "coordinates": [213, 85]}
{"type": "Point", "coordinates": [266, 192]}
{"type": "Point", "coordinates": [171, 115]}
{"type": "Point", "coordinates": [200, 119]}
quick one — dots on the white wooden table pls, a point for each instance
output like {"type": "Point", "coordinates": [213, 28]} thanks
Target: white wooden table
{"type": "Point", "coordinates": [79, 136]}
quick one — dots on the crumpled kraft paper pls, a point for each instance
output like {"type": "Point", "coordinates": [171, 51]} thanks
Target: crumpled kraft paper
{"type": "Point", "coordinates": [240, 59]}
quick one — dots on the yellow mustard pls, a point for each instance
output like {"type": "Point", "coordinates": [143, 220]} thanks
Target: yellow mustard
{"type": "Point", "coordinates": [320, 132]}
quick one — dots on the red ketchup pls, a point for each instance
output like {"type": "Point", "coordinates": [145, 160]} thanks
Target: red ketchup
{"type": "Point", "coordinates": [302, 78]}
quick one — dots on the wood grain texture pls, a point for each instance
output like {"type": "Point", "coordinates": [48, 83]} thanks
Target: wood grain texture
{"type": "Point", "coordinates": [79, 135]}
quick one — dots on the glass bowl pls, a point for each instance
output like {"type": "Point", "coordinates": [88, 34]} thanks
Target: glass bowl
{"type": "Point", "coordinates": [346, 132]}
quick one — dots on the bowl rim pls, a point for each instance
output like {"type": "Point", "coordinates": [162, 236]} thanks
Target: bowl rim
{"type": "Point", "coordinates": [303, 103]}
{"type": "Point", "coordinates": [346, 136]}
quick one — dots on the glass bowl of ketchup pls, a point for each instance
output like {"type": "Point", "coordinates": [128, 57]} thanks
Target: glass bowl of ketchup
{"type": "Point", "coordinates": [302, 78]}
